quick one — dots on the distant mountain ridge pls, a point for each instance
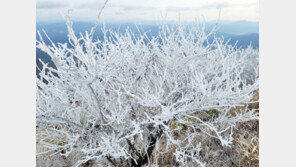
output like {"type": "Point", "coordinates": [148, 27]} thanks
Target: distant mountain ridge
{"type": "Point", "coordinates": [242, 32]}
{"type": "Point", "coordinates": [245, 40]}
{"type": "Point", "coordinates": [236, 27]}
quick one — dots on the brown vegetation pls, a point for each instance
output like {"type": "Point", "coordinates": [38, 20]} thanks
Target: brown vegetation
{"type": "Point", "coordinates": [244, 151]}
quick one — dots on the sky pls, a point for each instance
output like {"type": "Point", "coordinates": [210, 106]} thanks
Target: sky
{"type": "Point", "coordinates": [149, 10]}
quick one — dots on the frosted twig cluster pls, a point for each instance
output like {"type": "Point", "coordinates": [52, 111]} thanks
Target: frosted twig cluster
{"type": "Point", "coordinates": [112, 100]}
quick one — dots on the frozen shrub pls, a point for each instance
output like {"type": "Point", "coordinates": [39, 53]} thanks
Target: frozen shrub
{"type": "Point", "coordinates": [111, 100]}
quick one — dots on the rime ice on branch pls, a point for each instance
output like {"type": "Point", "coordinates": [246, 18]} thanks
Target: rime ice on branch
{"type": "Point", "coordinates": [112, 100]}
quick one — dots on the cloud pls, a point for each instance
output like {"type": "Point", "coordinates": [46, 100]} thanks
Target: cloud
{"type": "Point", "coordinates": [90, 5]}
{"type": "Point", "coordinates": [178, 9]}
{"type": "Point", "coordinates": [139, 8]}
{"type": "Point", "coordinates": [119, 13]}
{"type": "Point", "coordinates": [115, 6]}
{"type": "Point", "coordinates": [209, 6]}
{"type": "Point", "coordinates": [217, 5]}
{"type": "Point", "coordinates": [227, 5]}
{"type": "Point", "coordinates": [50, 5]}
{"type": "Point", "coordinates": [133, 7]}
{"type": "Point", "coordinates": [143, 9]}
{"type": "Point", "coordinates": [249, 4]}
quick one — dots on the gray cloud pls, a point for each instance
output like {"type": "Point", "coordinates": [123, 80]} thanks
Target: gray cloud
{"type": "Point", "coordinates": [249, 4]}
{"type": "Point", "coordinates": [97, 5]}
{"type": "Point", "coordinates": [91, 5]}
{"type": "Point", "coordinates": [141, 8]}
{"type": "Point", "coordinates": [50, 5]}
{"type": "Point", "coordinates": [210, 6]}
{"type": "Point", "coordinates": [136, 10]}
{"type": "Point", "coordinates": [217, 5]}
{"type": "Point", "coordinates": [119, 13]}
{"type": "Point", "coordinates": [179, 9]}
{"type": "Point", "coordinates": [227, 5]}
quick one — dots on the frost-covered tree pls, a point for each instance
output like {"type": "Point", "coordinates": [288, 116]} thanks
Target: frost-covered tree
{"type": "Point", "coordinates": [111, 101]}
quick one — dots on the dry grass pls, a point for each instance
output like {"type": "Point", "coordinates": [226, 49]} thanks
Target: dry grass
{"type": "Point", "coordinates": [243, 153]}
{"type": "Point", "coordinates": [248, 150]}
